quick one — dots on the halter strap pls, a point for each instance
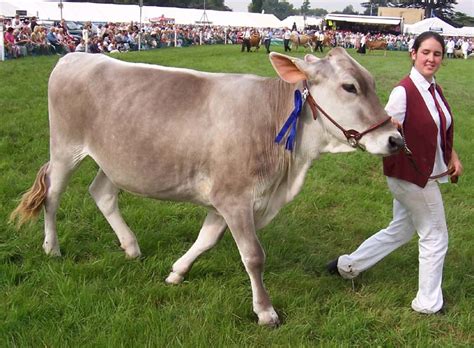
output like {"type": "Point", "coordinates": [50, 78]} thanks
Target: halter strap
{"type": "Point", "coordinates": [351, 135]}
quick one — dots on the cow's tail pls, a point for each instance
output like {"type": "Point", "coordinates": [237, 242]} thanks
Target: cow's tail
{"type": "Point", "coordinates": [32, 201]}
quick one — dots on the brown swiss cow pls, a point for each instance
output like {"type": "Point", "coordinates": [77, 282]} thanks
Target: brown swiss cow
{"type": "Point", "coordinates": [216, 149]}
{"type": "Point", "coordinates": [255, 41]}
{"type": "Point", "coordinates": [377, 45]}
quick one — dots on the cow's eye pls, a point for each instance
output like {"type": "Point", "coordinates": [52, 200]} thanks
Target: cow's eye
{"type": "Point", "coordinates": [349, 87]}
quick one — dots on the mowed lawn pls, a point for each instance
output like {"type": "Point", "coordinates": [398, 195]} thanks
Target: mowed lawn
{"type": "Point", "coordinates": [92, 296]}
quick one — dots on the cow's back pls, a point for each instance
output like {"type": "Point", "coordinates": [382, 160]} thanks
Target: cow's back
{"type": "Point", "coordinates": [157, 131]}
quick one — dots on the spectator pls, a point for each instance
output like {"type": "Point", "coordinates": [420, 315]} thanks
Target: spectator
{"type": "Point", "coordinates": [53, 41]}
{"type": "Point", "coordinates": [450, 48]}
{"type": "Point", "coordinates": [81, 47]}
{"type": "Point", "coordinates": [465, 48]}
{"type": "Point", "coordinates": [267, 38]}
{"type": "Point", "coordinates": [16, 23]}
{"type": "Point", "coordinates": [23, 40]}
{"type": "Point", "coordinates": [38, 40]}
{"type": "Point", "coordinates": [10, 45]}
{"type": "Point", "coordinates": [286, 40]}
{"type": "Point", "coordinates": [246, 40]}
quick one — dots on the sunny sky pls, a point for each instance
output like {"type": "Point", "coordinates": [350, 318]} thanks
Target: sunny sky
{"type": "Point", "coordinates": [466, 6]}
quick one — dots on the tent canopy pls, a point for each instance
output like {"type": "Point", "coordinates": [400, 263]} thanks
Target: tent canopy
{"type": "Point", "coordinates": [439, 26]}
{"type": "Point", "coordinates": [82, 11]}
{"type": "Point", "coordinates": [300, 21]}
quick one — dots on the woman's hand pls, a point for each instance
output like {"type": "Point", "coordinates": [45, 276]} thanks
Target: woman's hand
{"type": "Point", "coordinates": [455, 167]}
{"type": "Point", "coordinates": [396, 123]}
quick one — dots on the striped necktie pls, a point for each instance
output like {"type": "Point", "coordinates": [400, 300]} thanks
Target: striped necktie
{"type": "Point", "coordinates": [442, 121]}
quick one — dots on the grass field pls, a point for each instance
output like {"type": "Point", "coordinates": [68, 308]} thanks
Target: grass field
{"type": "Point", "coordinates": [92, 296]}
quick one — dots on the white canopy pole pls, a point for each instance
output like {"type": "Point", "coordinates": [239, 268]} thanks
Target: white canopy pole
{"type": "Point", "coordinates": [140, 3]}
{"type": "Point", "coordinates": [2, 44]}
{"type": "Point", "coordinates": [175, 35]}
{"type": "Point", "coordinates": [60, 5]}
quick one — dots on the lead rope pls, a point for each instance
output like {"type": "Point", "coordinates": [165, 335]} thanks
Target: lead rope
{"type": "Point", "coordinates": [409, 154]}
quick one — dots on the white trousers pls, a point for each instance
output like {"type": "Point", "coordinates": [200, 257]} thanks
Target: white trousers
{"type": "Point", "coordinates": [414, 209]}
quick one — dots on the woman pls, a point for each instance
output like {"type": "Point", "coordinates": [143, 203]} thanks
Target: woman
{"type": "Point", "coordinates": [413, 180]}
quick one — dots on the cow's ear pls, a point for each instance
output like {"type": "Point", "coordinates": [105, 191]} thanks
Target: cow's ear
{"type": "Point", "coordinates": [290, 69]}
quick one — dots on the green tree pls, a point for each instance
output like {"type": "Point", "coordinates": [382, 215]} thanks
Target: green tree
{"type": "Point", "coordinates": [256, 6]}
{"type": "Point", "coordinates": [210, 4]}
{"type": "Point", "coordinates": [442, 7]}
{"type": "Point", "coordinates": [281, 9]}
{"type": "Point", "coordinates": [349, 10]}
{"type": "Point", "coordinates": [305, 7]}
{"type": "Point", "coordinates": [463, 19]}
{"type": "Point", "coordinates": [317, 12]}
{"type": "Point", "coordinates": [372, 6]}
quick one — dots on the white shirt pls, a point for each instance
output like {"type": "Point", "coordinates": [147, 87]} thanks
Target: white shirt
{"type": "Point", "coordinates": [450, 46]}
{"type": "Point", "coordinates": [397, 105]}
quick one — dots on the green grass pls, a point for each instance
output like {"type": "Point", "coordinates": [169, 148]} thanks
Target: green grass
{"type": "Point", "coordinates": [92, 296]}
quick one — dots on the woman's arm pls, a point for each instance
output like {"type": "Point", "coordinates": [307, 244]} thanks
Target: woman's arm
{"type": "Point", "coordinates": [455, 167]}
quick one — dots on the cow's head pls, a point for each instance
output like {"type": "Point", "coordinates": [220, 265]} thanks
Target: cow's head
{"type": "Point", "coordinates": [346, 91]}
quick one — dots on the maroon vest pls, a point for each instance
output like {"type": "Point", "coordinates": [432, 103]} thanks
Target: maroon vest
{"type": "Point", "coordinates": [421, 134]}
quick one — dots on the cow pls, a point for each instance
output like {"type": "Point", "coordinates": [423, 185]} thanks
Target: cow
{"type": "Point", "coordinates": [458, 53]}
{"type": "Point", "coordinates": [255, 40]}
{"type": "Point", "coordinates": [201, 141]}
{"type": "Point", "coordinates": [377, 45]}
{"type": "Point", "coordinates": [301, 40]}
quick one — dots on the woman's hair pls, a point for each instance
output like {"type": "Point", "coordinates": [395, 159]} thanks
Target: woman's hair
{"type": "Point", "coordinates": [428, 35]}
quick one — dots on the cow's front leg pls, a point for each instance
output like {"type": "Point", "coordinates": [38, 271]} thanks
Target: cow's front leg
{"type": "Point", "coordinates": [242, 227]}
{"type": "Point", "coordinates": [211, 232]}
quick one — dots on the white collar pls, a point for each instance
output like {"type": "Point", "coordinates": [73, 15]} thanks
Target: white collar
{"type": "Point", "coordinates": [420, 79]}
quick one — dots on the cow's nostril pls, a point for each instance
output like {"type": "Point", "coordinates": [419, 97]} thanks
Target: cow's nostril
{"type": "Point", "coordinates": [395, 143]}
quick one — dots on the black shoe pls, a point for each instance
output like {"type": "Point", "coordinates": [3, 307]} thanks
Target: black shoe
{"type": "Point", "coordinates": [331, 266]}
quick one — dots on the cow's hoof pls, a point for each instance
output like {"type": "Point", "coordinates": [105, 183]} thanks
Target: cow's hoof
{"type": "Point", "coordinates": [174, 278]}
{"type": "Point", "coordinates": [51, 249]}
{"type": "Point", "coordinates": [268, 318]}
{"type": "Point", "coordinates": [132, 251]}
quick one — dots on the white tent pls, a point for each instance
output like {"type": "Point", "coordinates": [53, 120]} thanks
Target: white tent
{"type": "Point", "coordinates": [431, 24]}
{"type": "Point", "coordinates": [83, 11]}
{"type": "Point", "coordinates": [300, 22]}
{"type": "Point", "coordinates": [465, 31]}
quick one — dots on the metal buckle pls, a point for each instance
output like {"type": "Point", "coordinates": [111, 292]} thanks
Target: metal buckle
{"type": "Point", "coordinates": [305, 93]}
{"type": "Point", "coordinates": [352, 141]}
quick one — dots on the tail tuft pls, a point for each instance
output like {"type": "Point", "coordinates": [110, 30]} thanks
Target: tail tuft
{"type": "Point", "coordinates": [32, 201]}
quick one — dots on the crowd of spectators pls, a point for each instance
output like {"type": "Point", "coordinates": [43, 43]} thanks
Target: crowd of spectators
{"type": "Point", "coordinates": [25, 36]}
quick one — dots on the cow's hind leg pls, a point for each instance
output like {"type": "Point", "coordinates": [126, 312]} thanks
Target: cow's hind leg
{"type": "Point", "coordinates": [241, 224]}
{"type": "Point", "coordinates": [105, 194]}
{"type": "Point", "coordinates": [58, 173]}
{"type": "Point", "coordinates": [211, 232]}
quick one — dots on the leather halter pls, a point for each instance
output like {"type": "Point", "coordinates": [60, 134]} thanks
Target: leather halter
{"type": "Point", "coordinates": [351, 135]}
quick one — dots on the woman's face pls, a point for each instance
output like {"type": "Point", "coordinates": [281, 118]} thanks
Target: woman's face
{"type": "Point", "coordinates": [427, 59]}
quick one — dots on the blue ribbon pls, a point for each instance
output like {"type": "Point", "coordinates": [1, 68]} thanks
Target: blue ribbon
{"type": "Point", "coordinates": [291, 122]}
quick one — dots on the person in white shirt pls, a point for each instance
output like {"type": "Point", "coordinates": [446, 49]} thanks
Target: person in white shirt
{"type": "Point", "coordinates": [450, 48]}
{"type": "Point", "coordinates": [419, 108]}
{"type": "Point", "coordinates": [410, 43]}
{"type": "Point", "coordinates": [286, 40]}
{"type": "Point", "coordinates": [465, 48]}
{"type": "Point", "coordinates": [246, 40]}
